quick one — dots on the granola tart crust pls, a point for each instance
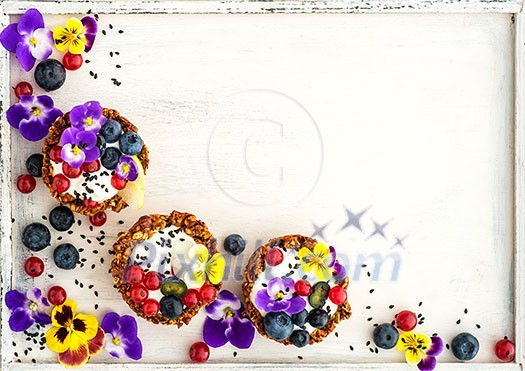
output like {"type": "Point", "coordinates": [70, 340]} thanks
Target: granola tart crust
{"type": "Point", "coordinates": [256, 266]}
{"type": "Point", "coordinates": [115, 203]}
{"type": "Point", "coordinates": [143, 229]}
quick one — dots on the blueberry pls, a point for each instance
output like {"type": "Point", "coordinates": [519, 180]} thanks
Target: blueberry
{"type": "Point", "coordinates": [36, 237]}
{"type": "Point", "coordinates": [300, 338]}
{"type": "Point", "coordinates": [234, 244]}
{"type": "Point", "coordinates": [101, 144]}
{"type": "Point", "coordinates": [34, 164]}
{"type": "Point", "coordinates": [110, 158]}
{"type": "Point", "coordinates": [300, 318]}
{"type": "Point", "coordinates": [111, 131]}
{"type": "Point", "coordinates": [174, 286]}
{"type": "Point", "coordinates": [171, 307]}
{"type": "Point", "coordinates": [385, 336]}
{"type": "Point", "coordinates": [66, 256]}
{"type": "Point", "coordinates": [61, 218]}
{"type": "Point", "coordinates": [465, 346]}
{"type": "Point", "coordinates": [278, 325]}
{"type": "Point", "coordinates": [317, 317]}
{"type": "Point", "coordinates": [50, 74]}
{"type": "Point", "coordinates": [130, 143]}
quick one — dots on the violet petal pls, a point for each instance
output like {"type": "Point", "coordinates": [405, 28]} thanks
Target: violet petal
{"type": "Point", "coordinates": [20, 320]}
{"type": "Point", "coordinates": [262, 299]}
{"type": "Point", "coordinates": [24, 56]}
{"type": "Point", "coordinates": [339, 273]}
{"type": "Point", "coordinates": [427, 364]}
{"type": "Point", "coordinates": [77, 115]}
{"type": "Point", "coordinates": [17, 113]}
{"type": "Point", "coordinates": [278, 306]}
{"type": "Point", "coordinates": [88, 138]}
{"type": "Point", "coordinates": [241, 333]}
{"type": "Point", "coordinates": [110, 323]}
{"type": "Point", "coordinates": [436, 347]}
{"type": "Point", "coordinates": [69, 136]}
{"type": "Point", "coordinates": [128, 328]}
{"type": "Point", "coordinates": [15, 299]}
{"type": "Point", "coordinates": [213, 332]}
{"type": "Point", "coordinates": [275, 285]}
{"type": "Point", "coordinates": [41, 317]}
{"type": "Point", "coordinates": [10, 37]}
{"type": "Point", "coordinates": [297, 304]}
{"type": "Point", "coordinates": [133, 349]}
{"type": "Point", "coordinates": [33, 129]}
{"type": "Point", "coordinates": [333, 256]}
{"type": "Point", "coordinates": [44, 46]}
{"type": "Point", "coordinates": [34, 294]}
{"type": "Point", "coordinates": [91, 154]}
{"type": "Point", "coordinates": [91, 26]}
{"type": "Point", "coordinates": [30, 21]}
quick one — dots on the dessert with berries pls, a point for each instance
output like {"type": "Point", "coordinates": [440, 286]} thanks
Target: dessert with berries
{"type": "Point", "coordinates": [295, 290]}
{"type": "Point", "coordinates": [167, 267]}
{"type": "Point", "coordinates": [95, 160]}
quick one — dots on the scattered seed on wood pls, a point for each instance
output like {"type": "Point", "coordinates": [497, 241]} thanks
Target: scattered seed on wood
{"type": "Point", "coordinates": [372, 291]}
{"type": "Point", "coordinates": [104, 32]}
{"type": "Point", "coordinates": [300, 357]}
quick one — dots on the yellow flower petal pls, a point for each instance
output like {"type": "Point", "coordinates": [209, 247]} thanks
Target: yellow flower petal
{"type": "Point", "coordinates": [413, 356]}
{"type": "Point", "coordinates": [322, 272]}
{"type": "Point", "coordinates": [74, 25]}
{"type": "Point", "coordinates": [423, 341]}
{"type": "Point", "coordinates": [321, 250]}
{"type": "Point", "coordinates": [197, 278]}
{"type": "Point", "coordinates": [406, 340]}
{"type": "Point", "coordinates": [305, 251]}
{"type": "Point", "coordinates": [198, 252]}
{"type": "Point", "coordinates": [57, 339]}
{"type": "Point", "coordinates": [63, 314]}
{"type": "Point", "coordinates": [85, 326]}
{"type": "Point", "coordinates": [77, 46]}
{"type": "Point", "coordinates": [77, 355]}
{"type": "Point", "coordinates": [215, 268]}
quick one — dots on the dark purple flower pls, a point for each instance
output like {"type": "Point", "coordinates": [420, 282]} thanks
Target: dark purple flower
{"type": "Point", "coordinates": [278, 296]}
{"type": "Point", "coordinates": [79, 146]}
{"type": "Point", "coordinates": [224, 322]}
{"type": "Point", "coordinates": [429, 362]}
{"type": "Point", "coordinates": [87, 116]}
{"type": "Point", "coordinates": [339, 272]}
{"type": "Point", "coordinates": [33, 116]}
{"type": "Point", "coordinates": [91, 28]}
{"type": "Point", "coordinates": [127, 168]}
{"type": "Point", "coordinates": [28, 39]}
{"type": "Point", "coordinates": [121, 336]}
{"type": "Point", "coordinates": [26, 309]}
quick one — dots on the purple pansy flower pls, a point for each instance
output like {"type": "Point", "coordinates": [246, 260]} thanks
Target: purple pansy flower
{"type": "Point", "coordinates": [279, 296]}
{"type": "Point", "coordinates": [33, 116]}
{"type": "Point", "coordinates": [28, 39]}
{"type": "Point", "coordinates": [87, 116]}
{"type": "Point", "coordinates": [127, 168]}
{"type": "Point", "coordinates": [27, 308]}
{"type": "Point", "coordinates": [91, 27]}
{"type": "Point", "coordinates": [225, 323]}
{"type": "Point", "coordinates": [429, 362]}
{"type": "Point", "coordinates": [79, 147]}
{"type": "Point", "coordinates": [121, 336]}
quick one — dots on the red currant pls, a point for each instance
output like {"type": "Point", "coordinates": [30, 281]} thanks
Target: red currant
{"type": "Point", "coordinates": [199, 352]}
{"type": "Point", "coordinates": [505, 350]}
{"type": "Point", "coordinates": [207, 293]}
{"type": "Point", "coordinates": [150, 307]}
{"type": "Point", "coordinates": [274, 257]}
{"type": "Point", "coordinates": [70, 171]}
{"type": "Point", "coordinates": [23, 88]}
{"type": "Point", "coordinates": [303, 288]}
{"type": "Point", "coordinates": [90, 204]}
{"type": "Point", "coordinates": [134, 274]}
{"type": "Point", "coordinates": [60, 183]}
{"type": "Point", "coordinates": [139, 293]}
{"type": "Point", "coordinates": [34, 266]}
{"type": "Point", "coordinates": [57, 295]}
{"type": "Point", "coordinates": [152, 281]}
{"type": "Point", "coordinates": [91, 167]}
{"type": "Point", "coordinates": [337, 295]}
{"type": "Point", "coordinates": [191, 298]}
{"type": "Point", "coordinates": [99, 219]}
{"type": "Point", "coordinates": [72, 62]}
{"type": "Point", "coordinates": [406, 320]}
{"type": "Point", "coordinates": [55, 154]}
{"type": "Point", "coordinates": [117, 182]}
{"type": "Point", "coordinates": [26, 183]}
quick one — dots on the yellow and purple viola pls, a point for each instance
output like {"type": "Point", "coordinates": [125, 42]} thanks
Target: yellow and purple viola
{"type": "Point", "coordinates": [420, 349]}
{"type": "Point", "coordinates": [127, 168]}
{"type": "Point", "coordinates": [77, 36]}
{"type": "Point", "coordinates": [87, 117]}
{"type": "Point", "coordinates": [321, 260]}
{"type": "Point", "coordinates": [79, 146]}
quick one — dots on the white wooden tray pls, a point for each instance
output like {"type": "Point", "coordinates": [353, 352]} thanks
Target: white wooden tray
{"type": "Point", "coordinates": [268, 118]}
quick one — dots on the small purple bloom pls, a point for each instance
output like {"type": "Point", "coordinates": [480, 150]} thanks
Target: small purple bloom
{"type": "Point", "coordinates": [91, 27]}
{"type": "Point", "coordinates": [87, 116]}
{"type": "Point", "coordinates": [279, 296]}
{"type": "Point", "coordinates": [121, 336]}
{"type": "Point", "coordinates": [127, 168]}
{"type": "Point", "coordinates": [224, 322]}
{"type": "Point", "coordinates": [27, 308]}
{"type": "Point", "coordinates": [339, 272]}
{"type": "Point", "coordinates": [429, 362]}
{"type": "Point", "coordinates": [28, 39]}
{"type": "Point", "coordinates": [79, 147]}
{"type": "Point", "coordinates": [33, 116]}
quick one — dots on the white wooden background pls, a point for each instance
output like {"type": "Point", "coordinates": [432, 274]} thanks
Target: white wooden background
{"type": "Point", "coordinates": [263, 124]}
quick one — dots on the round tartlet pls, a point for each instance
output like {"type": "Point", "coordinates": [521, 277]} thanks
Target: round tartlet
{"type": "Point", "coordinates": [258, 273]}
{"type": "Point", "coordinates": [75, 203]}
{"type": "Point", "coordinates": [178, 232]}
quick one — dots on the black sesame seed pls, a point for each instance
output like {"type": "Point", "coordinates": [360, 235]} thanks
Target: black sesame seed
{"type": "Point", "coordinates": [368, 307]}
{"type": "Point", "coordinates": [120, 31]}
{"type": "Point", "coordinates": [458, 321]}
{"type": "Point", "coordinates": [466, 311]}
{"type": "Point", "coordinates": [110, 26]}
{"type": "Point", "coordinates": [372, 291]}
{"type": "Point", "coordinates": [104, 32]}
{"type": "Point", "coordinates": [391, 306]}
{"type": "Point", "coordinates": [478, 326]}
{"type": "Point", "coordinates": [234, 354]}
{"type": "Point", "coordinates": [351, 348]}
{"type": "Point", "coordinates": [299, 357]}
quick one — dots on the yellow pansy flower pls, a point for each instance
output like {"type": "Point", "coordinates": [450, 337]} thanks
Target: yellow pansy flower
{"type": "Point", "coordinates": [202, 268]}
{"type": "Point", "coordinates": [72, 37]}
{"type": "Point", "coordinates": [415, 346]}
{"type": "Point", "coordinates": [321, 260]}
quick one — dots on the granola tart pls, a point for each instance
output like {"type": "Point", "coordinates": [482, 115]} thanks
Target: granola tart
{"type": "Point", "coordinates": [167, 267]}
{"type": "Point", "coordinates": [93, 186]}
{"type": "Point", "coordinates": [295, 290]}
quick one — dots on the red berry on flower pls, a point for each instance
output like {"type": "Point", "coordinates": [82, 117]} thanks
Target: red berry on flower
{"type": "Point", "coordinates": [72, 62]}
{"type": "Point", "coordinates": [505, 350]}
{"type": "Point", "coordinates": [34, 266]}
{"type": "Point", "coordinates": [134, 274]}
{"type": "Point", "coordinates": [57, 295]}
{"type": "Point", "coordinates": [91, 167]}
{"type": "Point", "coordinates": [117, 182]}
{"type": "Point", "coordinates": [23, 88]}
{"type": "Point", "coordinates": [337, 295]}
{"type": "Point", "coordinates": [274, 257]}
{"type": "Point", "coordinates": [303, 288]}
{"type": "Point", "coordinates": [99, 219]}
{"type": "Point", "coordinates": [152, 280]}
{"type": "Point", "coordinates": [406, 320]}
{"type": "Point", "coordinates": [90, 204]}
{"type": "Point", "coordinates": [150, 307]}
{"type": "Point", "coordinates": [191, 298]}
{"type": "Point", "coordinates": [26, 183]}
{"type": "Point", "coordinates": [207, 293]}
{"type": "Point", "coordinates": [199, 352]}
{"type": "Point", "coordinates": [70, 171]}
{"type": "Point", "coordinates": [55, 154]}
{"type": "Point", "coordinates": [60, 183]}
{"type": "Point", "coordinates": [139, 293]}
